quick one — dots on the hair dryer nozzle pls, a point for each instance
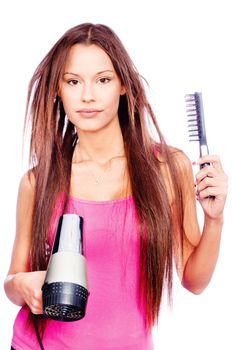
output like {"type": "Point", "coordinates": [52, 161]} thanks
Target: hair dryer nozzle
{"type": "Point", "coordinates": [64, 301]}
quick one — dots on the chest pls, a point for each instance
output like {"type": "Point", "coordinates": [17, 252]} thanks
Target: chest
{"type": "Point", "coordinates": [100, 183]}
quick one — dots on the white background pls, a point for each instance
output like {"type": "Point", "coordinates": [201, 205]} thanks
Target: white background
{"type": "Point", "coordinates": [179, 47]}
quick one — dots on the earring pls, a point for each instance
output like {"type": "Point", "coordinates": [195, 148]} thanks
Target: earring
{"type": "Point", "coordinates": [56, 99]}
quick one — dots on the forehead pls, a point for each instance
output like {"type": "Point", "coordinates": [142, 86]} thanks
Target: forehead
{"type": "Point", "coordinates": [87, 58]}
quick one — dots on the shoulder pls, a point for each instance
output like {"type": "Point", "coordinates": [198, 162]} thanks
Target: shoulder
{"type": "Point", "coordinates": [177, 155]}
{"type": "Point", "coordinates": [24, 211]}
{"type": "Point", "coordinates": [182, 162]}
{"type": "Point", "coordinates": [174, 159]}
{"type": "Point", "coordinates": [25, 206]}
{"type": "Point", "coordinates": [27, 186]}
{"type": "Point", "coordinates": [169, 155]}
{"type": "Point", "coordinates": [176, 169]}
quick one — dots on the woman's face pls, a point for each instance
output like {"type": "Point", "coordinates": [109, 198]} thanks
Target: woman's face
{"type": "Point", "coordinates": [90, 88]}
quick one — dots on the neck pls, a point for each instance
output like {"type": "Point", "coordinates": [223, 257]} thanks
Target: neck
{"type": "Point", "coordinates": [102, 145]}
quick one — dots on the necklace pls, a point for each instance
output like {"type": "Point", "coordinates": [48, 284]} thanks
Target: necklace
{"type": "Point", "coordinates": [97, 180]}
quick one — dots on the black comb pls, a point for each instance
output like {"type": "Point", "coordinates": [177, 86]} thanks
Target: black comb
{"type": "Point", "coordinates": [196, 122]}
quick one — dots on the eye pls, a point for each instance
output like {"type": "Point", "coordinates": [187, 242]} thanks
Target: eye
{"type": "Point", "coordinates": [104, 80]}
{"type": "Point", "coordinates": [73, 82]}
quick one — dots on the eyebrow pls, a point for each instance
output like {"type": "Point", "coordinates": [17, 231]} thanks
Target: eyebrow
{"type": "Point", "coordinates": [101, 72]}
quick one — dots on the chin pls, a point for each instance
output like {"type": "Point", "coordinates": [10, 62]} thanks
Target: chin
{"type": "Point", "coordinates": [91, 129]}
{"type": "Point", "coordinates": [93, 125]}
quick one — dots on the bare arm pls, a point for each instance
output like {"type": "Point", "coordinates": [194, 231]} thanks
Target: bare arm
{"type": "Point", "coordinates": [200, 265]}
{"type": "Point", "coordinates": [22, 286]}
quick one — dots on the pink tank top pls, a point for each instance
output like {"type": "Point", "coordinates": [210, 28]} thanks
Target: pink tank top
{"type": "Point", "coordinates": [114, 319]}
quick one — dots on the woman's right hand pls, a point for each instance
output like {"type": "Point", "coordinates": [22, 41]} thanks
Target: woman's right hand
{"type": "Point", "coordinates": [29, 285]}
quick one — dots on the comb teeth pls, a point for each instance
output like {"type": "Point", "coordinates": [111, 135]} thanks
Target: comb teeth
{"type": "Point", "coordinates": [194, 110]}
{"type": "Point", "coordinates": [196, 122]}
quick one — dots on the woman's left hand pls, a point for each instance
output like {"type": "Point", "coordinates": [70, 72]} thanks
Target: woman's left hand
{"type": "Point", "coordinates": [211, 186]}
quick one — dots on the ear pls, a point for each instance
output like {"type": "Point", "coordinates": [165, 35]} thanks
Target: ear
{"type": "Point", "coordinates": [123, 90]}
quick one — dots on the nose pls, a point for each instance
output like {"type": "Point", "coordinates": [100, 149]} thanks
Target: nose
{"type": "Point", "coordinates": [87, 94]}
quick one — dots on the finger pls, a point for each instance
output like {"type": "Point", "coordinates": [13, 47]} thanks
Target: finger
{"type": "Point", "coordinates": [217, 184]}
{"type": "Point", "coordinates": [213, 193]}
{"type": "Point", "coordinates": [206, 193]}
{"type": "Point", "coordinates": [204, 183]}
{"type": "Point", "coordinates": [36, 307]}
{"type": "Point", "coordinates": [213, 159]}
{"type": "Point", "coordinates": [206, 172]}
{"type": "Point", "coordinates": [220, 180]}
{"type": "Point", "coordinates": [36, 311]}
{"type": "Point", "coordinates": [218, 190]}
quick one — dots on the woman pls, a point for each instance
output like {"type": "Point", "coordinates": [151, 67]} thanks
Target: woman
{"type": "Point", "coordinates": [92, 154]}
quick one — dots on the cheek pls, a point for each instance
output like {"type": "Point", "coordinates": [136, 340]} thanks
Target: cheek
{"type": "Point", "coordinates": [67, 107]}
{"type": "Point", "coordinates": [112, 99]}
{"type": "Point", "coordinates": [65, 102]}
{"type": "Point", "coordinates": [66, 97]}
{"type": "Point", "coordinates": [68, 101]}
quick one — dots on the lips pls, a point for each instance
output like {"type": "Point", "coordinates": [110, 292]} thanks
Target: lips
{"type": "Point", "coordinates": [88, 112]}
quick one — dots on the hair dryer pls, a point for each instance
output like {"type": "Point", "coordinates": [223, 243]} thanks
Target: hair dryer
{"type": "Point", "coordinates": [64, 292]}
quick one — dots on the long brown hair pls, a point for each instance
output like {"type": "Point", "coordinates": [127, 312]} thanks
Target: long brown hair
{"type": "Point", "coordinates": [53, 139]}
